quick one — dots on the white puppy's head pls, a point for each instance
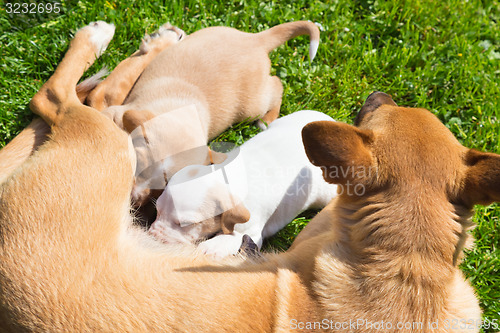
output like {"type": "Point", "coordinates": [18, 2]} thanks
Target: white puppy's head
{"type": "Point", "coordinates": [196, 204]}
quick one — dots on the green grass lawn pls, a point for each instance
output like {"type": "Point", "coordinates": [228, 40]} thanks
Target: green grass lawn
{"type": "Point", "coordinates": [439, 55]}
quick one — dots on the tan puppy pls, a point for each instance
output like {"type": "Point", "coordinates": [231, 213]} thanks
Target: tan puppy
{"type": "Point", "coordinates": [195, 90]}
{"type": "Point", "coordinates": [70, 261]}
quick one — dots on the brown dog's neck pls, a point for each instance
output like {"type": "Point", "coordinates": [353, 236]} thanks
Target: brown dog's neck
{"type": "Point", "coordinates": [404, 230]}
{"type": "Point", "coordinates": [399, 252]}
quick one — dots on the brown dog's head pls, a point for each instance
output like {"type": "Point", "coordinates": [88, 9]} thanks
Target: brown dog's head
{"type": "Point", "coordinates": [403, 150]}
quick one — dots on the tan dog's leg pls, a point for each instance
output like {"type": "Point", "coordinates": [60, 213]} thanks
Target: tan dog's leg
{"type": "Point", "coordinates": [274, 107]}
{"type": "Point", "coordinates": [53, 99]}
{"type": "Point", "coordinates": [320, 225]}
{"type": "Point", "coordinates": [58, 91]}
{"type": "Point", "coordinates": [116, 87]}
{"type": "Point", "coordinates": [64, 206]}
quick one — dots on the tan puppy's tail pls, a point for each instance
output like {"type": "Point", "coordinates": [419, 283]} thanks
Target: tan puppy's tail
{"type": "Point", "coordinates": [84, 88]}
{"type": "Point", "coordinates": [275, 36]}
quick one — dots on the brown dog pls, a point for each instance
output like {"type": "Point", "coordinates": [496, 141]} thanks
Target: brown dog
{"type": "Point", "coordinates": [395, 244]}
{"type": "Point", "coordinates": [70, 260]}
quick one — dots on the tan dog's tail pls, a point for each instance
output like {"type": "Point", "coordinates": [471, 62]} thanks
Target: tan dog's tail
{"type": "Point", "coordinates": [84, 88]}
{"type": "Point", "coordinates": [275, 36]}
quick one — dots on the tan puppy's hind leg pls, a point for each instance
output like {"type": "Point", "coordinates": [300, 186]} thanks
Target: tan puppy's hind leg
{"type": "Point", "coordinates": [59, 91]}
{"type": "Point", "coordinates": [116, 87]}
{"type": "Point", "coordinates": [274, 106]}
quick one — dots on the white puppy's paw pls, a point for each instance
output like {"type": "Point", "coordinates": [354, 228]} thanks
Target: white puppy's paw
{"type": "Point", "coordinates": [221, 246]}
{"type": "Point", "coordinates": [166, 35]}
{"type": "Point", "coordinates": [100, 34]}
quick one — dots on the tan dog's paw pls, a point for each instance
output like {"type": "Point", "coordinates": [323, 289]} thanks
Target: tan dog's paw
{"type": "Point", "coordinates": [166, 35]}
{"type": "Point", "coordinates": [100, 34]}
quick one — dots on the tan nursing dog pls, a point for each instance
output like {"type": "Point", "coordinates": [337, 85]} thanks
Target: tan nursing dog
{"type": "Point", "coordinates": [70, 260]}
{"type": "Point", "coordinates": [194, 90]}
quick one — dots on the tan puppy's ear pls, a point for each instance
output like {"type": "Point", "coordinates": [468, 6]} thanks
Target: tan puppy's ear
{"type": "Point", "coordinates": [482, 181]}
{"type": "Point", "coordinates": [133, 119]}
{"type": "Point", "coordinates": [237, 214]}
{"type": "Point", "coordinates": [339, 149]}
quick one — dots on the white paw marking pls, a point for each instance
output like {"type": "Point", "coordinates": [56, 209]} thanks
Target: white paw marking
{"type": "Point", "coordinates": [166, 32]}
{"type": "Point", "coordinates": [221, 246]}
{"type": "Point", "coordinates": [101, 34]}
{"type": "Point", "coordinates": [261, 124]}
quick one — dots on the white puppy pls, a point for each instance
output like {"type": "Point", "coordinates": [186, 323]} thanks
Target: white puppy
{"type": "Point", "coordinates": [267, 181]}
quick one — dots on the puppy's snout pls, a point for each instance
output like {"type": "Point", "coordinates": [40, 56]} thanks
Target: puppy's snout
{"type": "Point", "coordinates": [372, 103]}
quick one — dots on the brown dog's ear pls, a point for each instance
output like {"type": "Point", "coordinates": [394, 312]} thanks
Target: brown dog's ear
{"type": "Point", "coordinates": [372, 103]}
{"type": "Point", "coordinates": [339, 149]}
{"type": "Point", "coordinates": [237, 214]}
{"type": "Point", "coordinates": [133, 119]}
{"type": "Point", "coordinates": [482, 181]}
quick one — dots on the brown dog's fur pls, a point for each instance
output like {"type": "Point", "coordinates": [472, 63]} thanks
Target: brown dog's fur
{"type": "Point", "coordinates": [70, 260]}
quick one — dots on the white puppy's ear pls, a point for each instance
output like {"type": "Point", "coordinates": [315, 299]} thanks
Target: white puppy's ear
{"type": "Point", "coordinates": [237, 214]}
{"type": "Point", "coordinates": [133, 119]}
